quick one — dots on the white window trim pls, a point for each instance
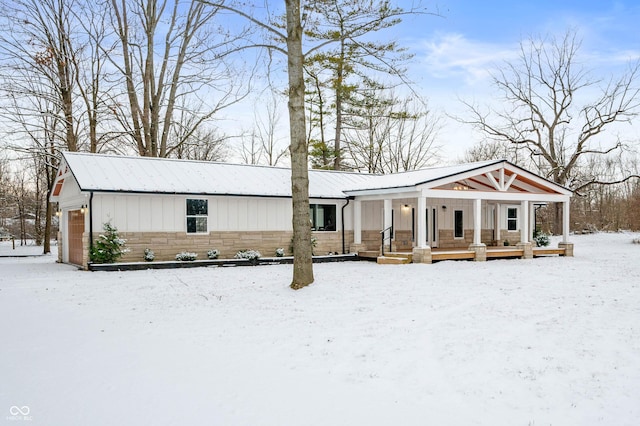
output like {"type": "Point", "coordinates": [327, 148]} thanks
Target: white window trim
{"type": "Point", "coordinates": [187, 216]}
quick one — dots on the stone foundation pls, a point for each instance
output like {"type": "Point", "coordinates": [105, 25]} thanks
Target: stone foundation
{"type": "Point", "coordinates": [166, 245]}
{"type": "Point", "coordinates": [422, 255]}
{"type": "Point", "coordinates": [568, 248]}
{"type": "Point", "coordinates": [527, 250]}
{"type": "Point", "coordinates": [447, 240]}
{"type": "Point", "coordinates": [480, 250]}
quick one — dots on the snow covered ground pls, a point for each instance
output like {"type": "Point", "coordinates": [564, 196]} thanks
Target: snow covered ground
{"type": "Point", "coordinates": [506, 342]}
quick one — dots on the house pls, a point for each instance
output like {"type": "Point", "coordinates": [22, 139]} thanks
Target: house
{"type": "Point", "coordinates": [171, 205]}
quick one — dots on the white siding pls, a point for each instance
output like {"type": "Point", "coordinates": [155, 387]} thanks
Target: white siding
{"type": "Point", "coordinates": [153, 213]}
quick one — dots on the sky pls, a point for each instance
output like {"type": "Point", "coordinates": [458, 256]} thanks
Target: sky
{"type": "Point", "coordinates": [455, 51]}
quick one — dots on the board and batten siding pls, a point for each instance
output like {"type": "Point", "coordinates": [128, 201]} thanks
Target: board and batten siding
{"type": "Point", "coordinates": [167, 213]}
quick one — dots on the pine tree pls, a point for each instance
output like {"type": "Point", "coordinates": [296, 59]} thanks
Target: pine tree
{"type": "Point", "coordinates": [109, 247]}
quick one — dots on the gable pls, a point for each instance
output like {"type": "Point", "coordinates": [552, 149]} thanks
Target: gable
{"type": "Point", "coordinates": [502, 178]}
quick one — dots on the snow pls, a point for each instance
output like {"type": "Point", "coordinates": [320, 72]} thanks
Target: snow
{"type": "Point", "coordinates": [505, 342]}
{"type": "Point", "coordinates": [115, 173]}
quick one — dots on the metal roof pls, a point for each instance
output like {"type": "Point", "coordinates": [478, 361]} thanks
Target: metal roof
{"type": "Point", "coordinates": [110, 173]}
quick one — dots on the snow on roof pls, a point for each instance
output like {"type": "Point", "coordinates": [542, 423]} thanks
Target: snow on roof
{"type": "Point", "coordinates": [109, 173]}
{"type": "Point", "coordinates": [417, 177]}
{"type": "Point", "coordinates": [97, 172]}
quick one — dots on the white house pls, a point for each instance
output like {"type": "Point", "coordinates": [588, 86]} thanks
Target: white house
{"type": "Point", "coordinates": [171, 205]}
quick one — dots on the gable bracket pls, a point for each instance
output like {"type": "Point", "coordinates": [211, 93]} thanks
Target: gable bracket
{"type": "Point", "coordinates": [501, 185]}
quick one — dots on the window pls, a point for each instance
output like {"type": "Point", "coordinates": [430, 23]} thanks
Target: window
{"type": "Point", "coordinates": [197, 212]}
{"type": "Point", "coordinates": [458, 224]}
{"type": "Point", "coordinates": [512, 219]}
{"type": "Point", "coordinates": [323, 217]}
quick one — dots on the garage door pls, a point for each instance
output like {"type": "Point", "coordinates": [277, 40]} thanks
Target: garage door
{"type": "Point", "coordinates": [76, 229]}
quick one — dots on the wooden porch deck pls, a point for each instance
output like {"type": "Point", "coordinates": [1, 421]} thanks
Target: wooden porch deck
{"type": "Point", "coordinates": [493, 252]}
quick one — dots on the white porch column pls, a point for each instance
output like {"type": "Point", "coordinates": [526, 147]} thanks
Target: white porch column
{"type": "Point", "coordinates": [357, 222]}
{"type": "Point", "coordinates": [421, 218]}
{"type": "Point", "coordinates": [498, 224]}
{"type": "Point", "coordinates": [524, 225]}
{"type": "Point", "coordinates": [477, 221]}
{"type": "Point", "coordinates": [532, 219]}
{"type": "Point", "coordinates": [565, 221]}
{"type": "Point", "coordinates": [387, 215]}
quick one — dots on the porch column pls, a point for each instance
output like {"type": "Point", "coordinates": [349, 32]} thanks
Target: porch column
{"type": "Point", "coordinates": [421, 224]}
{"type": "Point", "coordinates": [477, 246]}
{"type": "Point", "coordinates": [524, 225]}
{"type": "Point", "coordinates": [388, 221]}
{"type": "Point", "coordinates": [357, 222]}
{"type": "Point", "coordinates": [387, 215]}
{"type": "Point", "coordinates": [477, 222]}
{"type": "Point", "coordinates": [498, 224]}
{"type": "Point", "coordinates": [565, 244]}
{"type": "Point", "coordinates": [422, 251]}
{"type": "Point", "coordinates": [532, 220]}
{"type": "Point", "coordinates": [565, 221]}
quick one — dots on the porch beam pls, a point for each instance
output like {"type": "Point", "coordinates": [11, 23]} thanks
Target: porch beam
{"type": "Point", "coordinates": [509, 182]}
{"type": "Point", "coordinates": [497, 196]}
{"type": "Point", "coordinates": [493, 181]}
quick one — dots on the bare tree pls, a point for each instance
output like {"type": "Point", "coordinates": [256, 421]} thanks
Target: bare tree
{"type": "Point", "coordinates": [541, 91]}
{"type": "Point", "coordinates": [39, 56]}
{"type": "Point", "coordinates": [266, 132]}
{"type": "Point", "coordinates": [158, 74]}
{"type": "Point", "coordinates": [392, 135]}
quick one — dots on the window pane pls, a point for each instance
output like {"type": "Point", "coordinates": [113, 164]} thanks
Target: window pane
{"type": "Point", "coordinates": [197, 207]}
{"type": "Point", "coordinates": [323, 217]}
{"type": "Point", "coordinates": [196, 224]}
{"type": "Point", "coordinates": [191, 224]}
{"type": "Point", "coordinates": [201, 224]}
{"type": "Point", "coordinates": [459, 226]}
{"type": "Point", "coordinates": [512, 219]}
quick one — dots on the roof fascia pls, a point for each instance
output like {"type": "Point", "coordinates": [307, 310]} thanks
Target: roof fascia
{"type": "Point", "coordinates": [498, 196]}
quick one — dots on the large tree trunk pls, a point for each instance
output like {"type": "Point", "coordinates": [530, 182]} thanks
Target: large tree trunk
{"type": "Point", "coordinates": [302, 251]}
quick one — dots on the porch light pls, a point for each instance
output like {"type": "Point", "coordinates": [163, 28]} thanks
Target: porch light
{"type": "Point", "coordinates": [58, 213]}
{"type": "Point", "coordinates": [83, 209]}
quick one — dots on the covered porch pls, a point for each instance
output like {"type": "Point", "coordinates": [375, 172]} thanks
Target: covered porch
{"type": "Point", "coordinates": [480, 211]}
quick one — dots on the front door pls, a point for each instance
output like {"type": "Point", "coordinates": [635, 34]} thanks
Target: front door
{"type": "Point", "coordinates": [432, 226]}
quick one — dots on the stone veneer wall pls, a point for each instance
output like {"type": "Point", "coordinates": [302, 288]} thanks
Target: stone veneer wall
{"type": "Point", "coordinates": [446, 239]}
{"type": "Point", "coordinates": [403, 241]}
{"type": "Point", "coordinates": [166, 245]}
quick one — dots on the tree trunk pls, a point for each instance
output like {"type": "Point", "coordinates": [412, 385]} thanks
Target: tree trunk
{"type": "Point", "coordinates": [303, 262]}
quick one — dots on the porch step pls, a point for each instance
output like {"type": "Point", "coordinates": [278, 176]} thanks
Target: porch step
{"type": "Point", "coordinates": [395, 258]}
{"type": "Point", "coordinates": [371, 254]}
{"type": "Point", "coordinates": [389, 260]}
